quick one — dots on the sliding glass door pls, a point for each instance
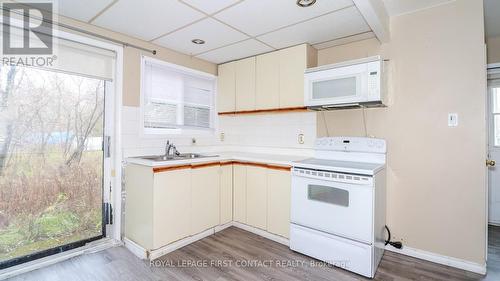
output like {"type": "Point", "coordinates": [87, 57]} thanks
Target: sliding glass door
{"type": "Point", "coordinates": [52, 163]}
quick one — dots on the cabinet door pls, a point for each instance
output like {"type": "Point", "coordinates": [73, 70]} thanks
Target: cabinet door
{"type": "Point", "coordinates": [172, 206]}
{"type": "Point", "coordinates": [226, 94]}
{"type": "Point", "coordinates": [257, 197]}
{"type": "Point", "coordinates": [240, 193]}
{"type": "Point", "coordinates": [267, 95]}
{"type": "Point", "coordinates": [245, 84]}
{"type": "Point", "coordinates": [204, 198]}
{"type": "Point", "coordinates": [226, 194]}
{"type": "Point", "coordinates": [278, 202]}
{"type": "Point", "coordinates": [293, 62]}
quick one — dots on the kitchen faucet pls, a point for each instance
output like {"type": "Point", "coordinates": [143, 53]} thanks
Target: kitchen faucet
{"type": "Point", "coordinates": [171, 147]}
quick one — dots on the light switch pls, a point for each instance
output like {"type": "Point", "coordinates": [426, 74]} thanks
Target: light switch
{"type": "Point", "coordinates": [452, 119]}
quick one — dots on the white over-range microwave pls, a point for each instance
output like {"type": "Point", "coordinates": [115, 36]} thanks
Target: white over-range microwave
{"type": "Point", "coordinates": [353, 83]}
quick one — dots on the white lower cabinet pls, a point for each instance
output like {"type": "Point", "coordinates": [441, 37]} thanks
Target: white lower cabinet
{"type": "Point", "coordinates": [226, 193]}
{"type": "Point", "coordinates": [240, 193]}
{"type": "Point", "coordinates": [171, 206]}
{"type": "Point", "coordinates": [262, 198]}
{"type": "Point", "coordinates": [204, 198]}
{"type": "Point", "coordinates": [278, 202]}
{"type": "Point", "coordinates": [167, 205]}
{"type": "Point", "coordinates": [256, 197]}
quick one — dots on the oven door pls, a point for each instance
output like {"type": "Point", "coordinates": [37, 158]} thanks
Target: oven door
{"type": "Point", "coordinates": [337, 208]}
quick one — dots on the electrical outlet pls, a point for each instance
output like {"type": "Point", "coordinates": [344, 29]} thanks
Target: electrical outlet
{"type": "Point", "coordinates": [300, 139]}
{"type": "Point", "coordinates": [452, 119]}
{"type": "Point", "coordinates": [222, 136]}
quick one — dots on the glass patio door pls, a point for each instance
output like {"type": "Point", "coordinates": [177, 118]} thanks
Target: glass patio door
{"type": "Point", "coordinates": [52, 162]}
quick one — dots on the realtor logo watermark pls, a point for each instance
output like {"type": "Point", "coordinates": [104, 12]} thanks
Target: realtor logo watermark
{"type": "Point", "coordinates": [27, 34]}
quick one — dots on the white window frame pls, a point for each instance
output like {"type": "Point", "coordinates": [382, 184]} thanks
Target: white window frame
{"type": "Point", "coordinates": [178, 131]}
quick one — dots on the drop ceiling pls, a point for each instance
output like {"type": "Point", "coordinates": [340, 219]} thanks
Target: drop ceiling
{"type": "Point", "coordinates": [399, 7]}
{"type": "Point", "coordinates": [232, 29]}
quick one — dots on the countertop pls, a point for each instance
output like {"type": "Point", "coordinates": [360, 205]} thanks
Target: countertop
{"type": "Point", "coordinates": [273, 159]}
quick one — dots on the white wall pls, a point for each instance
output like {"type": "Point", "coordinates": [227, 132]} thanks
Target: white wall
{"type": "Point", "coordinates": [436, 185]}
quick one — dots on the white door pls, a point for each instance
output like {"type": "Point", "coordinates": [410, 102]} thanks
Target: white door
{"type": "Point", "coordinates": [494, 151]}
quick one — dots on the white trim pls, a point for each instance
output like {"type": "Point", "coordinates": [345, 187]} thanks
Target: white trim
{"type": "Point", "coordinates": [263, 233]}
{"type": "Point", "coordinates": [144, 254]}
{"type": "Point", "coordinates": [376, 17]}
{"type": "Point", "coordinates": [181, 130]}
{"type": "Point", "coordinates": [90, 248]}
{"type": "Point", "coordinates": [223, 226]}
{"type": "Point", "coordinates": [440, 259]}
{"type": "Point", "coordinates": [154, 254]}
{"type": "Point", "coordinates": [137, 250]}
{"type": "Point", "coordinates": [115, 234]}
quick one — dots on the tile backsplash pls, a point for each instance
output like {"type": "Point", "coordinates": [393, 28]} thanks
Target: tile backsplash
{"type": "Point", "coordinates": [265, 133]}
{"type": "Point", "coordinates": [280, 130]}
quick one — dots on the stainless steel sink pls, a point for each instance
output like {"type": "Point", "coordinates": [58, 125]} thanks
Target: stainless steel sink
{"type": "Point", "coordinates": [182, 156]}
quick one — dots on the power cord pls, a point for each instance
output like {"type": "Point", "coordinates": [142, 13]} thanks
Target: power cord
{"type": "Point", "coordinates": [395, 244]}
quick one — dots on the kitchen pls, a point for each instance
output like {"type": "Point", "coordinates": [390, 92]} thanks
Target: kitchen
{"type": "Point", "coordinates": [241, 180]}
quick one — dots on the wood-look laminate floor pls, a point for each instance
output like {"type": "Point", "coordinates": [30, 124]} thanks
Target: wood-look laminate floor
{"type": "Point", "coordinates": [235, 254]}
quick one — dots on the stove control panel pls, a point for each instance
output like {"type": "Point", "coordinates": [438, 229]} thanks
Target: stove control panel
{"type": "Point", "coordinates": [351, 144]}
{"type": "Point", "coordinates": [332, 176]}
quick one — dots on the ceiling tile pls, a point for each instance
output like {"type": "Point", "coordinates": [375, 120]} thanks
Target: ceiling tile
{"type": "Point", "coordinates": [80, 10]}
{"type": "Point", "coordinates": [398, 7]}
{"type": "Point", "coordinates": [257, 17]}
{"type": "Point", "coordinates": [240, 50]}
{"type": "Point", "coordinates": [214, 33]}
{"type": "Point", "coordinates": [345, 40]}
{"type": "Point", "coordinates": [211, 6]}
{"type": "Point", "coordinates": [147, 19]}
{"type": "Point", "coordinates": [346, 22]}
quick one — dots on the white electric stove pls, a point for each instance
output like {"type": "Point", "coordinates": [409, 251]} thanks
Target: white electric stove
{"type": "Point", "coordinates": [338, 203]}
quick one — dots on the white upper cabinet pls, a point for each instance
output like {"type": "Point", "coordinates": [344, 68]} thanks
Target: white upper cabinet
{"type": "Point", "coordinates": [226, 95]}
{"type": "Point", "coordinates": [267, 95]}
{"type": "Point", "coordinates": [292, 64]}
{"type": "Point", "coordinates": [270, 81]}
{"type": "Point", "coordinates": [245, 84]}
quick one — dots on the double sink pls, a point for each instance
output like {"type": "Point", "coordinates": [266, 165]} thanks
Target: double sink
{"type": "Point", "coordinates": [181, 156]}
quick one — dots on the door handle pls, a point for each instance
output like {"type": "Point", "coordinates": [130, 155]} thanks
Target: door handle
{"type": "Point", "coordinates": [490, 163]}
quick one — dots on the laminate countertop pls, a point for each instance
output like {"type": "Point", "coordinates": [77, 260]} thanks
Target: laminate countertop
{"type": "Point", "coordinates": [272, 159]}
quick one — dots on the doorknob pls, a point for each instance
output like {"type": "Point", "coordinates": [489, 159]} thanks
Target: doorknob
{"type": "Point", "coordinates": [491, 163]}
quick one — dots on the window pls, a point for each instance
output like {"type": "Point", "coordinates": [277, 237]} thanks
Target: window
{"type": "Point", "coordinates": [175, 98]}
{"type": "Point", "coordinates": [495, 110]}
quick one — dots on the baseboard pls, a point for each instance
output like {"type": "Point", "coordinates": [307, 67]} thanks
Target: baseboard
{"type": "Point", "coordinates": [154, 254]}
{"type": "Point", "coordinates": [440, 259]}
{"type": "Point", "coordinates": [144, 254]}
{"type": "Point", "coordinates": [135, 249]}
{"type": "Point", "coordinates": [263, 233]}
{"type": "Point", "coordinates": [223, 226]}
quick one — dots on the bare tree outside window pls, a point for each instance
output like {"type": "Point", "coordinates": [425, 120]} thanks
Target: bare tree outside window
{"type": "Point", "coordinates": [51, 159]}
